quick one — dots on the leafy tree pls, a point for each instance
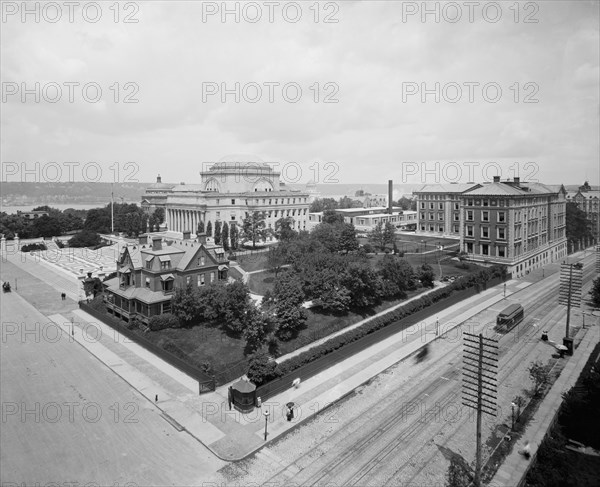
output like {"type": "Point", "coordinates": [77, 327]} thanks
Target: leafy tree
{"type": "Point", "coordinates": [347, 240]}
{"type": "Point", "coordinates": [539, 375]}
{"type": "Point", "coordinates": [331, 217]}
{"type": "Point", "coordinates": [377, 235]}
{"type": "Point", "coordinates": [578, 226]}
{"type": "Point", "coordinates": [261, 368]}
{"type": "Point", "coordinates": [276, 259]}
{"type": "Point", "coordinates": [92, 286]}
{"type": "Point", "coordinates": [257, 329]}
{"type": "Point", "coordinates": [284, 229]}
{"type": "Point", "coordinates": [185, 305]}
{"type": "Point", "coordinates": [426, 275]}
{"type": "Point", "coordinates": [335, 299]}
{"type": "Point", "coordinates": [389, 235]}
{"type": "Point", "coordinates": [11, 225]}
{"type": "Point", "coordinates": [236, 303]}
{"type": "Point", "coordinates": [323, 204]}
{"type": "Point", "coordinates": [234, 236]}
{"type": "Point", "coordinates": [397, 277]}
{"type": "Point", "coordinates": [200, 227]}
{"type": "Point", "coordinates": [254, 227]}
{"type": "Point", "coordinates": [284, 304]}
{"type": "Point", "coordinates": [47, 226]}
{"type": "Point", "coordinates": [328, 235]}
{"type": "Point", "coordinates": [225, 236]}
{"type": "Point", "coordinates": [210, 301]}
{"type": "Point", "coordinates": [595, 292]}
{"type": "Point", "coordinates": [209, 229]}
{"type": "Point", "coordinates": [458, 474]}
{"type": "Point", "coordinates": [407, 204]}
{"type": "Point", "coordinates": [85, 238]}
{"type": "Point", "coordinates": [363, 284]}
{"type": "Point", "coordinates": [346, 202]}
{"type": "Point", "coordinates": [218, 232]}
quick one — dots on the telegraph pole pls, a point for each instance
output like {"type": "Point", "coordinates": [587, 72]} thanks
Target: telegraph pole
{"type": "Point", "coordinates": [571, 278]}
{"type": "Point", "coordinates": [480, 371]}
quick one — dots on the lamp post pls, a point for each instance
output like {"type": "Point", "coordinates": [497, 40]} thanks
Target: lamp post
{"type": "Point", "coordinates": [437, 326]}
{"type": "Point", "coordinates": [266, 422]}
{"type": "Point", "coordinates": [504, 289]}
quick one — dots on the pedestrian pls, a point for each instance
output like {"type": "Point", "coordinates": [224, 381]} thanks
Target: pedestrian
{"type": "Point", "coordinates": [156, 398]}
{"type": "Point", "coordinates": [229, 394]}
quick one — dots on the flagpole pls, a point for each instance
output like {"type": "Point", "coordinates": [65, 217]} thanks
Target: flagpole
{"type": "Point", "coordinates": [112, 214]}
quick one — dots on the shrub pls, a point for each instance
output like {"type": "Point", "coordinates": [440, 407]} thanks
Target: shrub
{"type": "Point", "coordinates": [33, 246]}
{"type": "Point", "coordinates": [160, 322]}
{"type": "Point", "coordinates": [262, 369]}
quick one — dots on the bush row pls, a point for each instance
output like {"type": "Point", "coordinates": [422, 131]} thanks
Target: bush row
{"type": "Point", "coordinates": [33, 246]}
{"type": "Point", "coordinates": [477, 279]}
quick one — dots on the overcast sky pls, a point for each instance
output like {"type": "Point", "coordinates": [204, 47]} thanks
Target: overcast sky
{"type": "Point", "coordinates": [370, 57]}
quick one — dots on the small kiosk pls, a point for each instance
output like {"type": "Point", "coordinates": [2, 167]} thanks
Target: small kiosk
{"type": "Point", "coordinates": [243, 395]}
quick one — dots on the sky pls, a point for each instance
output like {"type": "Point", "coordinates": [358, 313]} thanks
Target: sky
{"type": "Point", "coordinates": [348, 91]}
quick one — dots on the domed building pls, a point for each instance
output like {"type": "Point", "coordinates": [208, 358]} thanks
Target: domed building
{"type": "Point", "coordinates": [229, 191]}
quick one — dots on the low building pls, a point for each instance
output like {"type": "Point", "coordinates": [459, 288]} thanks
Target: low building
{"type": "Point", "coordinates": [365, 219]}
{"type": "Point", "coordinates": [588, 201]}
{"type": "Point", "coordinates": [32, 215]}
{"type": "Point", "coordinates": [149, 273]}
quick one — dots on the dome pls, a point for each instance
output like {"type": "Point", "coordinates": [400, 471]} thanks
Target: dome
{"type": "Point", "coordinates": [241, 158]}
{"type": "Point", "coordinates": [160, 185]}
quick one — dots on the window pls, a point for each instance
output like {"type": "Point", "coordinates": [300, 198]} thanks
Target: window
{"type": "Point", "coordinates": [485, 232]}
{"type": "Point", "coordinates": [431, 206]}
{"type": "Point", "coordinates": [470, 215]}
{"type": "Point", "coordinates": [469, 248]}
{"type": "Point", "coordinates": [232, 217]}
{"type": "Point", "coordinates": [469, 230]}
{"type": "Point", "coordinates": [165, 265]}
{"type": "Point", "coordinates": [440, 216]}
{"type": "Point", "coordinates": [431, 228]}
{"type": "Point", "coordinates": [148, 282]}
{"type": "Point", "coordinates": [149, 264]}
{"type": "Point", "coordinates": [469, 202]}
{"type": "Point", "coordinates": [440, 206]}
{"type": "Point", "coordinates": [422, 216]}
{"type": "Point", "coordinates": [218, 214]}
{"type": "Point", "coordinates": [233, 202]}
{"type": "Point", "coordinates": [501, 217]}
{"type": "Point", "coordinates": [501, 233]}
{"type": "Point", "coordinates": [485, 216]}
{"type": "Point", "coordinates": [431, 216]}
{"type": "Point", "coordinates": [486, 203]}
{"type": "Point", "coordinates": [485, 249]}
{"type": "Point", "coordinates": [457, 206]}
{"type": "Point", "coordinates": [423, 228]}
{"type": "Point", "coordinates": [455, 228]}
{"type": "Point", "coordinates": [456, 217]}
{"type": "Point", "coordinates": [422, 205]}
{"type": "Point", "coordinates": [440, 228]}
{"type": "Point", "coordinates": [201, 260]}
{"type": "Point", "coordinates": [188, 280]}
{"type": "Point", "coordinates": [212, 277]}
{"type": "Point", "coordinates": [200, 279]}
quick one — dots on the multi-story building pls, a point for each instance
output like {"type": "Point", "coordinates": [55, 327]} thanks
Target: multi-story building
{"type": "Point", "coordinates": [438, 208]}
{"type": "Point", "coordinates": [148, 273]}
{"type": "Point", "coordinates": [519, 224]}
{"type": "Point", "coordinates": [229, 191]}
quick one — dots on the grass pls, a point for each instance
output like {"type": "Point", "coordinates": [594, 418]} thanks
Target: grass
{"type": "Point", "coordinates": [253, 261]}
{"type": "Point", "coordinates": [261, 282]}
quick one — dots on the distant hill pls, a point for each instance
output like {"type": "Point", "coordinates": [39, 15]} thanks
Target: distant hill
{"type": "Point", "coordinates": [30, 193]}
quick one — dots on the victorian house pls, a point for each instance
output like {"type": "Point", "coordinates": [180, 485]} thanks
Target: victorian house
{"type": "Point", "coordinates": [149, 273]}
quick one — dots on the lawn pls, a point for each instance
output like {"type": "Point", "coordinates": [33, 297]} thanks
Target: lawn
{"type": "Point", "coordinates": [260, 282]}
{"type": "Point", "coordinates": [253, 261]}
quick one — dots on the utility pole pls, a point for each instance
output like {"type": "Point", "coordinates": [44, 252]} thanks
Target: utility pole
{"type": "Point", "coordinates": [480, 371]}
{"type": "Point", "coordinates": [112, 213]}
{"type": "Point", "coordinates": [571, 279]}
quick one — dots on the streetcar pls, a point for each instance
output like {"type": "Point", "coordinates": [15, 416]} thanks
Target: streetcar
{"type": "Point", "coordinates": [510, 317]}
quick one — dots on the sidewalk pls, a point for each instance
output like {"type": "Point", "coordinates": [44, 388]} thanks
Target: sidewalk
{"type": "Point", "coordinates": [515, 466]}
{"type": "Point", "coordinates": [231, 435]}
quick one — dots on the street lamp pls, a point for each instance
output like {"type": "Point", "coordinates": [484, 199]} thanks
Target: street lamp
{"type": "Point", "coordinates": [437, 326]}
{"type": "Point", "coordinates": [266, 422]}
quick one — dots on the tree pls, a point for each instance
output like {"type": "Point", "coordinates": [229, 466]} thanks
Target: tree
{"type": "Point", "coordinates": [331, 217]}
{"type": "Point", "coordinates": [92, 286]}
{"type": "Point", "coordinates": [323, 204]}
{"type": "Point", "coordinates": [347, 240]}
{"type": "Point", "coordinates": [364, 285]}
{"type": "Point", "coordinates": [276, 259]}
{"type": "Point", "coordinates": [407, 204]}
{"type": "Point", "coordinates": [234, 236]}
{"type": "Point", "coordinates": [46, 226]}
{"type": "Point", "coordinates": [458, 474]}
{"type": "Point", "coordinates": [257, 329]}
{"type": "Point", "coordinates": [209, 229]}
{"type": "Point", "coordinates": [284, 304]}
{"type": "Point", "coordinates": [397, 277]}
{"type": "Point", "coordinates": [426, 275]}
{"type": "Point", "coordinates": [578, 226]}
{"type": "Point", "coordinates": [585, 188]}
{"type": "Point", "coordinates": [185, 305]}
{"type": "Point", "coordinates": [328, 235]}
{"type": "Point", "coordinates": [225, 236]}
{"type": "Point", "coordinates": [200, 227]}
{"type": "Point", "coordinates": [218, 232]}
{"type": "Point", "coordinates": [595, 292]}
{"type": "Point", "coordinates": [539, 375]}
{"type": "Point", "coordinates": [389, 233]}
{"type": "Point", "coordinates": [254, 227]}
{"type": "Point", "coordinates": [261, 368]}
{"type": "Point", "coordinates": [85, 238]}
{"type": "Point", "coordinates": [235, 307]}
{"type": "Point", "coordinates": [284, 229]}
{"type": "Point", "coordinates": [377, 236]}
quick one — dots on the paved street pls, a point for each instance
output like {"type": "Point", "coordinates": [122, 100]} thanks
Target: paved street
{"type": "Point", "coordinates": [68, 418]}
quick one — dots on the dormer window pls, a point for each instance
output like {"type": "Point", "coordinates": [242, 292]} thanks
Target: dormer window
{"type": "Point", "coordinates": [201, 260]}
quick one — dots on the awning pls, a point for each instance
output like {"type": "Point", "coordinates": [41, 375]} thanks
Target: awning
{"type": "Point", "coordinates": [164, 258]}
{"type": "Point", "coordinates": [125, 270]}
{"type": "Point", "coordinates": [222, 268]}
{"type": "Point", "coordinates": [166, 277]}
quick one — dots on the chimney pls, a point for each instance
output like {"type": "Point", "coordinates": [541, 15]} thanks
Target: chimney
{"type": "Point", "coordinates": [390, 193]}
{"type": "Point", "coordinates": [186, 234]}
{"type": "Point", "coordinates": [158, 179]}
{"type": "Point", "coordinates": [496, 179]}
{"type": "Point", "coordinates": [157, 243]}
{"type": "Point", "coordinates": [517, 180]}
{"type": "Point", "coordinates": [143, 239]}
{"type": "Point", "coordinates": [201, 237]}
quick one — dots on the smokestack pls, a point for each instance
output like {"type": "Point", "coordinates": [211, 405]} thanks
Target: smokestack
{"type": "Point", "coordinates": [390, 192]}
